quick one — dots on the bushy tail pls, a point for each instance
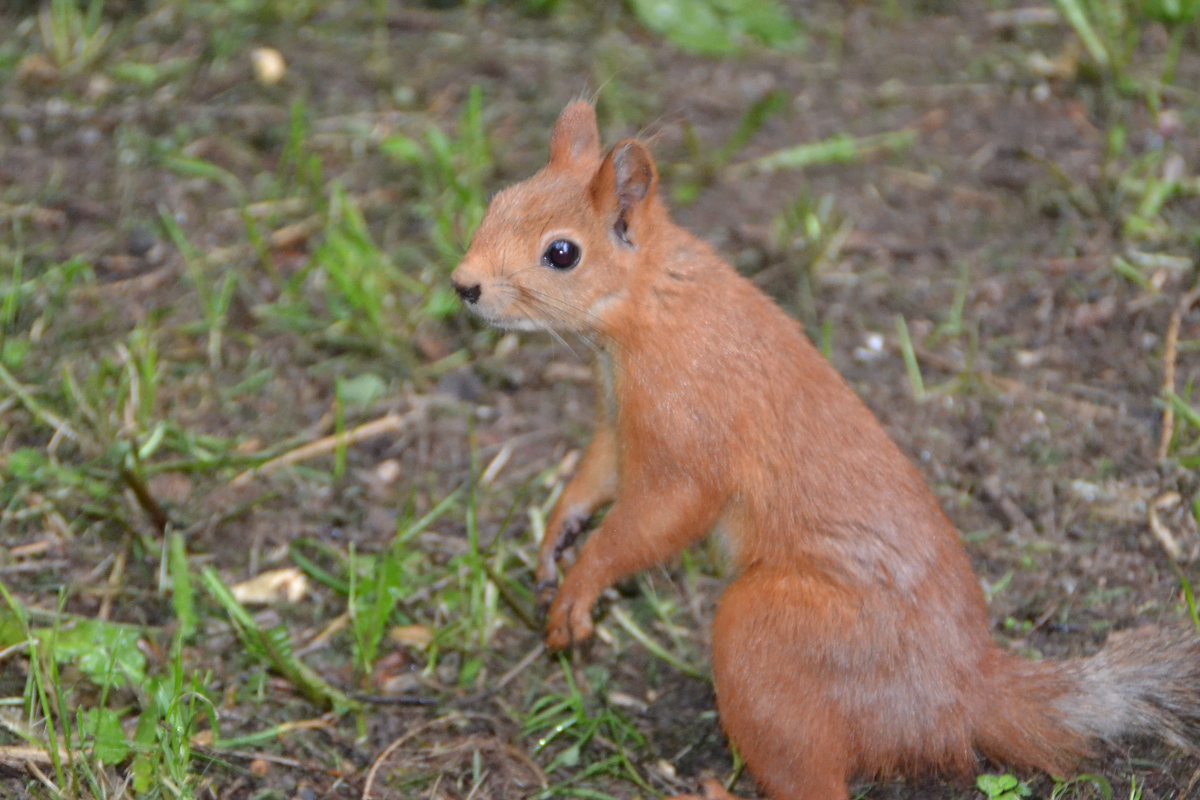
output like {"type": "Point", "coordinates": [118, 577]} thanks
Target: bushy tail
{"type": "Point", "coordinates": [1049, 714]}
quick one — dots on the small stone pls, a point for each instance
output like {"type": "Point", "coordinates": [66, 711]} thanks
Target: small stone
{"type": "Point", "coordinates": [269, 66]}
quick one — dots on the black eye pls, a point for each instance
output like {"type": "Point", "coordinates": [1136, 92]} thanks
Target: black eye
{"type": "Point", "coordinates": [561, 254]}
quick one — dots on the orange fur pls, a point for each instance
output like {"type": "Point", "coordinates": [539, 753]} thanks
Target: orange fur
{"type": "Point", "coordinates": [854, 638]}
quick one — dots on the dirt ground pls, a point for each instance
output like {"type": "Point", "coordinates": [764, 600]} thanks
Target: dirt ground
{"type": "Point", "coordinates": [992, 235]}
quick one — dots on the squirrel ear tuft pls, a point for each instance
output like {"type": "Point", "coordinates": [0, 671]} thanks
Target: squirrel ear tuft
{"type": "Point", "coordinates": [576, 139]}
{"type": "Point", "coordinates": [626, 180]}
{"type": "Point", "coordinates": [633, 172]}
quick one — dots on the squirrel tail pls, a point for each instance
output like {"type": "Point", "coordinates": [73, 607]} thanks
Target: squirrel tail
{"type": "Point", "coordinates": [1049, 714]}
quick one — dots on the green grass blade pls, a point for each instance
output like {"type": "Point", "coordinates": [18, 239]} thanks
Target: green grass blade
{"type": "Point", "coordinates": [1183, 409]}
{"type": "Point", "coordinates": [275, 651]}
{"type": "Point", "coordinates": [1077, 16]}
{"type": "Point", "coordinates": [182, 590]}
{"type": "Point", "coordinates": [839, 149]}
{"type": "Point", "coordinates": [655, 649]}
{"type": "Point", "coordinates": [909, 354]}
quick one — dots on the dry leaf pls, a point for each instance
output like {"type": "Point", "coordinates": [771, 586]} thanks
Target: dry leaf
{"type": "Point", "coordinates": [272, 586]}
{"type": "Point", "coordinates": [418, 635]}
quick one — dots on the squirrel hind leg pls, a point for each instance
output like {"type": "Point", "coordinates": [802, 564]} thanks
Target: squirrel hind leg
{"type": "Point", "coordinates": [771, 700]}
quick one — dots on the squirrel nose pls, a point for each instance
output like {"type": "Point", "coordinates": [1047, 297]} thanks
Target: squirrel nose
{"type": "Point", "coordinates": [469, 294]}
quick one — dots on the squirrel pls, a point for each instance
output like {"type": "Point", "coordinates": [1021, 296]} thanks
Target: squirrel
{"type": "Point", "coordinates": [853, 640]}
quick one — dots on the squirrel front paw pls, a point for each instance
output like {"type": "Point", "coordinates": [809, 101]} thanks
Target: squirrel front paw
{"type": "Point", "coordinates": [570, 621]}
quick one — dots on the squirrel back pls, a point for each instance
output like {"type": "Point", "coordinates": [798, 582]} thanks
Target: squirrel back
{"type": "Point", "coordinates": [854, 638]}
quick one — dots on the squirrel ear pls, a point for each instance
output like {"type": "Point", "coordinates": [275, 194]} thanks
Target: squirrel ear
{"type": "Point", "coordinates": [576, 137]}
{"type": "Point", "coordinates": [627, 179]}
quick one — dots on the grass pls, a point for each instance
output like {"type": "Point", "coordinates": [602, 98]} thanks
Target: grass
{"type": "Point", "coordinates": [1141, 190]}
{"type": "Point", "coordinates": [94, 430]}
{"type": "Point", "coordinates": [227, 346]}
{"type": "Point", "coordinates": [74, 37]}
{"type": "Point", "coordinates": [723, 27]}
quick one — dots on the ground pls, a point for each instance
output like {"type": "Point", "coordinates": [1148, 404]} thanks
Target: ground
{"type": "Point", "coordinates": [212, 259]}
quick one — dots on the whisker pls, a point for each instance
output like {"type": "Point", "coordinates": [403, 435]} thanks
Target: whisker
{"type": "Point", "coordinates": [521, 302]}
{"type": "Point", "coordinates": [548, 306]}
{"type": "Point", "coordinates": [560, 305]}
{"type": "Point", "coordinates": [561, 340]}
{"type": "Point", "coordinates": [535, 305]}
{"type": "Point", "coordinates": [591, 344]}
{"type": "Point", "coordinates": [587, 338]}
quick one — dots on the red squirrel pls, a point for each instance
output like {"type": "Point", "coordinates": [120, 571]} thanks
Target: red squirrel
{"type": "Point", "coordinates": [853, 640]}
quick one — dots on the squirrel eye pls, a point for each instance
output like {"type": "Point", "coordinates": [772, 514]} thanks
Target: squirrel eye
{"type": "Point", "coordinates": [561, 254]}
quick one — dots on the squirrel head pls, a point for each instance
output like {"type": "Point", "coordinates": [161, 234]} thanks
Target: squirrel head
{"type": "Point", "coordinates": [558, 250]}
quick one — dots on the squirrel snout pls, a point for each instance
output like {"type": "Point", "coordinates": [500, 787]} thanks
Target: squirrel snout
{"type": "Point", "coordinates": [469, 294]}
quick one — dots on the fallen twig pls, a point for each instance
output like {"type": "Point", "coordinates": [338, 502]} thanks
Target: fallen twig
{"type": "Point", "coordinates": [33, 770]}
{"type": "Point", "coordinates": [1170, 352]}
{"type": "Point", "coordinates": [392, 423]}
{"type": "Point", "coordinates": [145, 499]}
{"type": "Point", "coordinates": [1011, 19]}
{"type": "Point", "coordinates": [21, 754]}
{"type": "Point", "coordinates": [1160, 530]}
